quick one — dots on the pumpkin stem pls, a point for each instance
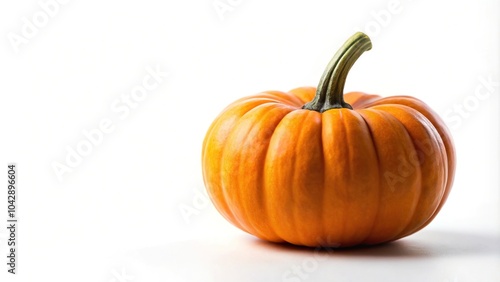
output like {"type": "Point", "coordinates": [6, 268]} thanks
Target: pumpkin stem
{"type": "Point", "coordinates": [330, 91]}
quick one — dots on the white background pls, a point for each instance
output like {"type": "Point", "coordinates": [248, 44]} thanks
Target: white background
{"type": "Point", "coordinates": [117, 215]}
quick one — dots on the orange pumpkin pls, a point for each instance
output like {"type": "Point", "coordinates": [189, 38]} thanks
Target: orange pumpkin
{"type": "Point", "coordinates": [329, 172]}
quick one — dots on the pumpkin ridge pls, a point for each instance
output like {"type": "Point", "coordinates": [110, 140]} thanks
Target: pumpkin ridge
{"type": "Point", "coordinates": [223, 189]}
{"type": "Point", "coordinates": [348, 209]}
{"type": "Point", "coordinates": [264, 178]}
{"type": "Point", "coordinates": [303, 93]}
{"type": "Point", "coordinates": [284, 232]}
{"type": "Point", "coordinates": [369, 129]}
{"type": "Point", "coordinates": [226, 210]}
{"type": "Point", "coordinates": [293, 188]}
{"type": "Point", "coordinates": [432, 133]}
{"type": "Point", "coordinates": [442, 149]}
{"type": "Point", "coordinates": [302, 238]}
{"type": "Point", "coordinates": [265, 112]}
{"type": "Point", "coordinates": [418, 170]}
{"type": "Point", "coordinates": [323, 197]}
{"type": "Point", "coordinates": [291, 99]}
{"type": "Point", "coordinates": [446, 139]}
{"type": "Point", "coordinates": [333, 195]}
{"type": "Point", "coordinates": [389, 212]}
{"type": "Point", "coordinates": [249, 99]}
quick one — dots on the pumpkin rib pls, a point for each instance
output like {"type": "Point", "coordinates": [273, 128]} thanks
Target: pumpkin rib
{"type": "Point", "coordinates": [225, 198]}
{"type": "Point", "coordinates": [294, 187]}
{"type": "Point", "coordinates": [228, 111]}
{"type": "Point", "coordinates": [264, 193]}
{"type": "Point", "coordinates": [241, 216]}
{"type": "Point", "coordinates": [274, 212]}
{"type": "Point", "coordinates": [417, 179]}
{"type": "Point", "coordinates": [282, 97]}
{"type": "Point", "coordinates": [420, 198]}
{"type": "Point", "coordinates": [292, 99]}
{"type": "Point", "coordinates": [368, 145]}
{"type": "Point", "coordinates": [379, 194]}
{"type": "Point", "coordinates": [360, 100]}
{"type": "Point", "coordinates": [235, 107]}
{"type": "Point", "coordinates": [264, 96]}
{"type": "Point", "coordinates": [277, 237]}
{"type": "Point", "coordinates": [304, 94]}
{"type": "Point", "coordinates": [265, 187]}
{"type": "Point", "coordinates": [392, 140]}
{"type": "Point", "coordinates": [375, 147]}
{"type": "Point", "coordinates": [294, 190]}
{"type": "Point", "coordinates": [418, 168]}
{"type": "Point", "coordinates": [263, 114]}
{"type": "Point", "coordinates": [440, 141]}
{"type": "Point", "coordinates": [432, 134]}
{"type": "Point", "coordinates": [263, 100]}
{"type": "Point", "coordinates": [325, 241]}
{"type": "Point", "coordinates": [437, 123]}
{"type": "Point", "coordinates": [347, 190]}
{"type": "Point", "coordinates": [449, 151]}
{"type": "Point", "coordinates": [308, 178]}
{"type": "Point", "coordinates": [314, 122]}
{"type": "Point", "coordinates": [374, 117]}
{"type": "Point", "coordinates": [445, 162]}
{"type": "Point", "coordinates": [328, 191]}
{"type": "Point", "coordinates": [225, 210]}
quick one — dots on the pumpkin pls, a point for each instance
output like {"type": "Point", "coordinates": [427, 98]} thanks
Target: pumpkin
{"type": "Point", "coordinates": [315, 167]}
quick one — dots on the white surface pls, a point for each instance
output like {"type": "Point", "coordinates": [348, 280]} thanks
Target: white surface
{"type": "Point", "coordinates": [119, 210]}
{"type": "Point", "coordinates": [433, 255]}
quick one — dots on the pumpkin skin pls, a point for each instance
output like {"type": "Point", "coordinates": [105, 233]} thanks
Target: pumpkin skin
{"type": "Point", "coordinates": [342, 177]}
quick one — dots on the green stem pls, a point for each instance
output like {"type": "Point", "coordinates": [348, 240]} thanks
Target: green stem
{"type": "Point", "coordinates": [330, 91]}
